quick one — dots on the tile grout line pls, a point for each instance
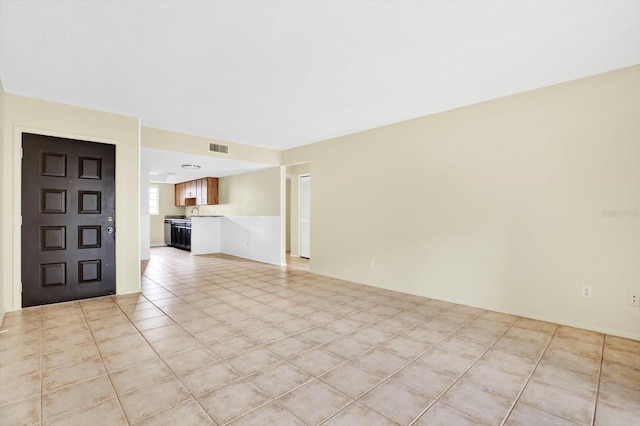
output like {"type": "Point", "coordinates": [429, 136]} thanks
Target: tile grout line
{"type": "Point", "coordinates": [165, 364]}
{"type": "Point", "coordinates": [263, 345]}
{"type": "Point", "coordinates": [107, 371]}
{"type": "Point", "coordinates": [531, 373]}
{"type": "Point", "coordinates": [595, 402]}
{"type": "Point", "coordinates": [163, 361]}
{"type": "Point", "coordinates": [318, 325]}
{"type": "Point", "coordinates": [272, 400]}
{"type": "Point", "coordinates": [113, 388]}
{"type": "Point", "coordinates": [386, 378]}
{"type": "Point", "coordinates": [370, 350]}
{"type": "Point", "coordinates": [65, 366]}
{"type": "Point", "coordinates": [242, 376]}
{"type": "Point", "coordinates": [347, 360]}
{"type": "Point", "coordinates": [305, 298]}
{"type": "Point", "coordinates": [287, 361]}
{"type": "Point", "coordinates": [464, 372]}
{"type": "Point", "coordinates": [41, 366]}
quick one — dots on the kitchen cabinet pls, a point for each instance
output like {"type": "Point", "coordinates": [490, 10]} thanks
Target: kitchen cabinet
{"type": "Point", "coordinates": [185, 194]}
{"type": "Point", "coordinates": [179, 194]}
{"type": "Point", "coordinates": [208, 194]}
{"type": "Point", "coordinates": [190, 190]}
{"type": "Point", "coordinates": [202, 192]}
{"type": "Point", "coordinates": [197, 192]}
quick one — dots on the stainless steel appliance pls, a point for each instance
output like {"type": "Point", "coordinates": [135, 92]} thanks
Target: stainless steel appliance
{"type": "Point", "coordinates": [167, 232]}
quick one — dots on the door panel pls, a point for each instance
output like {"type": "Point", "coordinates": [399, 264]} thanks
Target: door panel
{"type": "Point", "coordinates": [68, 219]}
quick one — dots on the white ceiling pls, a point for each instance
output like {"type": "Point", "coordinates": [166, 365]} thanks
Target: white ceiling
{"type": "Point", "coordinates": [281, 74]}
{"type": "Point", "coordinates": [166, 166]}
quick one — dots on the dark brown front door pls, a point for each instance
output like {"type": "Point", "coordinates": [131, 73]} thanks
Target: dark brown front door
{"type": "Point", "coordinates": [68, 219]}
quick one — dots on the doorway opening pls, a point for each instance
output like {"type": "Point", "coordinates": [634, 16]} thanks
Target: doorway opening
{"type": "Point", "coordinates": [298, 212]}
{"type": "Point", "coordinates": [304, 216]}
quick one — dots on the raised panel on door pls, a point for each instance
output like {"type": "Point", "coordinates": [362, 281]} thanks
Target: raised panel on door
{"type": "Point", "coordinates": [68, 219]}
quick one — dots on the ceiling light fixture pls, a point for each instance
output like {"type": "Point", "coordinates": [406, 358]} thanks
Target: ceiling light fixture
{"type": "Point", "coordinates": [190, 166]}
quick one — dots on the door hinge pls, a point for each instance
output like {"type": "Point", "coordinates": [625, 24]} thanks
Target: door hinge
{"type": "Point", "coordinates": [21, 152]}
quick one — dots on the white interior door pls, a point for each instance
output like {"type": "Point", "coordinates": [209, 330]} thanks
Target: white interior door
{"type": "Point", "coordinates": [304, 216]}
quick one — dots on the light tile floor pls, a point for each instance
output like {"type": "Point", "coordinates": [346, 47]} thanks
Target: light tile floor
{"type": "Point", "coordinates": [219, 340]}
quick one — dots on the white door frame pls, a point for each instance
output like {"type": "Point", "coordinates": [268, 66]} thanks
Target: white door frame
{"type": "Point", "coordinates": [300, 177]}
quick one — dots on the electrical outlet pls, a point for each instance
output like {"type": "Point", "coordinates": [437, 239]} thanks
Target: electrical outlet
{"type": "Point", "coordinates": [586, 292]}
{"type": "Point", "coordinates": [372, 262]}
{"type": "Point", "coordinates": [634, 297]}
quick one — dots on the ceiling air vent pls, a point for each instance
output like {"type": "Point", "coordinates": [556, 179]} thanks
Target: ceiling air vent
{"type": "Point", "coordinates": [216, 147]}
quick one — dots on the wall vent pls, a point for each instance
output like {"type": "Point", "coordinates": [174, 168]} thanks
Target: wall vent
{"type": "Point", "coordinates": [216, 147]}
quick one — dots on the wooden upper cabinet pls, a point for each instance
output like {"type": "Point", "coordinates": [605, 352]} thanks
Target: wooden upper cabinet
{"type": "Point", "coordinates": [201, 196]}
{"type": "Point", "coordinates": [197, 192]}
{"type": "Point", "coordinates": [211, 191]}
{"type": "Point", "coordinates": [190, 189]}
{"type": "Point", "coordinates": [179, 194]}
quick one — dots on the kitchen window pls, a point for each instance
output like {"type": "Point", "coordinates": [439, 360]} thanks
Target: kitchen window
{"type": "Point", "coordinates": [154, 200]}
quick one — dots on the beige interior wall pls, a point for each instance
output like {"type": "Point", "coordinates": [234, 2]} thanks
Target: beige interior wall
{"type": "Point", "coordinates": [295, 172]}
{"type": "Point", "coordinates": [497, 205]}
{"type": "Point", "coordinates": [247, 194]}
{"type": "Point", "coordinates": [3, 148]}
{"type": "Point", "coordinates": [181, 142]}
{"type": "Point", "coordinates": [167, 207]}
{"type": "Point", "coordinates": [49, 118]}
